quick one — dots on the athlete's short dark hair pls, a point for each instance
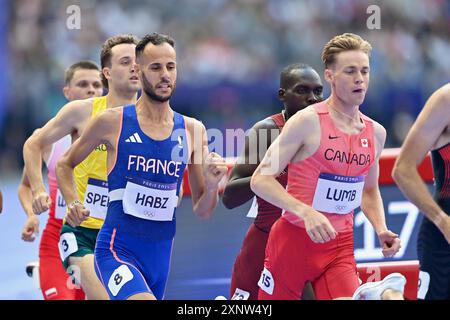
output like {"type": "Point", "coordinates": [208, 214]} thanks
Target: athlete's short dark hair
{"type": "Point", "coordinates": [154, 38]}
{"type": "Point", "coordinates": [83, 64]}
{"type": "Point", "coordinates": [286, 73]}
{"type": "Point", "coordinates": [106, 53]}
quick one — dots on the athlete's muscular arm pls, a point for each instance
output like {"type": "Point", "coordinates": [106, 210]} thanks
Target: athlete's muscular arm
{"type": "Point", "coordinates": [237, 190]}
{"type": "Point", "coordinates": [205, 170]}
{"type": "Point", "coordinates": [291, 141]}
{"type": "Point", "coordinates": [424, 135]}
{"type": "Point", "coordinates": [67, 121]}
{"type": "Point", "coordinates": [101, 130]}
{"type": "Point", "coordinates": [31, 226]}
{"type": "Point", "coordinates": [372, 204]}
{"type": "Point", "coordinates": [25, 195]}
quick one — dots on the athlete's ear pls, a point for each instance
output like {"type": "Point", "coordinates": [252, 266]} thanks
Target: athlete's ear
{"type": "Point", "coordinates": [328, 75]}
{"type": "Point", "coordinates": [66, 92]}
{"type": "Point", "coordinates": [106, 73]}
{"type": "Point", "coordinates": [281, 93]}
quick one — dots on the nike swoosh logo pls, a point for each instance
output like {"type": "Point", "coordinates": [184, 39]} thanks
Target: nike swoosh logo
{"type": "Point", "coordinates": [331, 138]}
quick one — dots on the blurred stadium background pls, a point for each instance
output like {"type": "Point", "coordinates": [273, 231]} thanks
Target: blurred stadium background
{"type": "Point", "coordinates": [230, 54]}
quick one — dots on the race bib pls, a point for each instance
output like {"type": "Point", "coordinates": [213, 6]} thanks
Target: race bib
{"type": "Point", "coordinates": [266, 282]}
{"type": "Point", "coordinates": [67, 245]}
{"type": "Point", "coordinates": [96, 198]}
{"type": "Point", "coordinates": [424, 284]}
{"type": "Point", "coordinates": [338, 194]}
{"type": "Point", "coordinates": [119, 277]}
{"type": "Point", "coordinates": [240, 294]}
{"type": "Point", "coordinates": [150, 200]}
{"type": "Point", "coordinates": [60, 205]}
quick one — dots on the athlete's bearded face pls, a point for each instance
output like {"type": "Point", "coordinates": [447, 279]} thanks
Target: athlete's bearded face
{"type": "Point", "coordinates": [158, 71]}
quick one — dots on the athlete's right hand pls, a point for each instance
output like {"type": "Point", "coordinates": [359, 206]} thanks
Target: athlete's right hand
{"type": "Point", "coordinates": [318, 226]}
{"type": "Point", "coordinates": [30, 229]}
{"type": "Point", "coordinates": [41, 202]}
{"type": "Point", "coordinates": [77, 214]}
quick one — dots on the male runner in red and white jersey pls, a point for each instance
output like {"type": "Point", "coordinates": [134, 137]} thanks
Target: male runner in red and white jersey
{"type": "Point", "coordinates": [82, 81]}
{"type": "Point", "coordinates": [300, 86]}
{"type": "Point", "coordinates": [332, 151]}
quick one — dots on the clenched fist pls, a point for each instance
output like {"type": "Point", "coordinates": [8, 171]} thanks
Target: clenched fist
{"type": "Point", "coordinates": [214, 169]}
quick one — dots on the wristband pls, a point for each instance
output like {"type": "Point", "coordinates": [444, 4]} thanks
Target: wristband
{"type": "Point", "coordinates": [74, 203]}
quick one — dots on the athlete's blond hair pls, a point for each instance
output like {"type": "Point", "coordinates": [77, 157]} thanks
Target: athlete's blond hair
{"type": "Point", "coordinates": [341, 43]}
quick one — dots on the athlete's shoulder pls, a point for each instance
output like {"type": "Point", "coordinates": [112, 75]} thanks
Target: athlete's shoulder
{"type": "Point", "coordinates": [305, 117]}
{"type": "Point", "coordinates": [78, 108]}
{"type": "Point", "coordinates": [83, 103]}
{"type": "Point", "coordinates": [444, 91]}
{"type": "Point", "coordinates": [379, 131]}
{"type": "Point", "coordinates": [193, 123]}
{"type": "Point", "coordinates": [301, 125]}
{"type": "Point", "coordinates": [378, 128]}
{"type": "Point", "coordinates": [111, 114]}
{"type": "Point", "coordinates": [106, 124]}
{"type": "Point", "coordinates": [441, 97]}
{"type": "Point", "coordinates": [266, 123]}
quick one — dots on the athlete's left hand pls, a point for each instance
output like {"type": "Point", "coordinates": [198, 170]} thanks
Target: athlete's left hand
{"type": "Point", "coordinates": [390, 242]}
{"type": "Point", "coordinates": [214, 169]}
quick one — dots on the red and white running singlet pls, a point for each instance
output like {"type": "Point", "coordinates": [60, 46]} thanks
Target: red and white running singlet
{"type": "Point", "coordinates": [332, 179]}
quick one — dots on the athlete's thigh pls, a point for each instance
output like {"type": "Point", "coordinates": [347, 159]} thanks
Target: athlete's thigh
{"type": "Point", "coordinates": [82, 269]}
{"type": "Point", "coordinates": [285, 266]}
{"type": "Point", "coordinates": [153, 257]}
{"type": "Point", "coordinates": [340, 277]}
{"type": "Point", "coordinates": [117, 269]}
{"type": "Point", "coordinates": [248, 266]}
{"type": "Point", "coordinates": [76, 242]}
{"type": "Point", "coordinates": [433, 253]}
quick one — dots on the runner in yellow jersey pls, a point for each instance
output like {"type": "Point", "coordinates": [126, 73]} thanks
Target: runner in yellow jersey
{"type": "Point", "coordinates": [89, 177]}
{"type": "Point", "coordinates": [78, 241]}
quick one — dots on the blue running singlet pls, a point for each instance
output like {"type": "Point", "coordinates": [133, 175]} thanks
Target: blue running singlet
{"type": "Point", "coordinates": [133, 249]}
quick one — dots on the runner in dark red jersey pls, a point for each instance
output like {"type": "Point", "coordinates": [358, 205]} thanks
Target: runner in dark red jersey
{"type": "Point", "coordinates": [300, 86]}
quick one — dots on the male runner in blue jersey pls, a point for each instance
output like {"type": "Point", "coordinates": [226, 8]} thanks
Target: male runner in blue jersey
{"type": "Point", "coordinates": [149, 146]}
